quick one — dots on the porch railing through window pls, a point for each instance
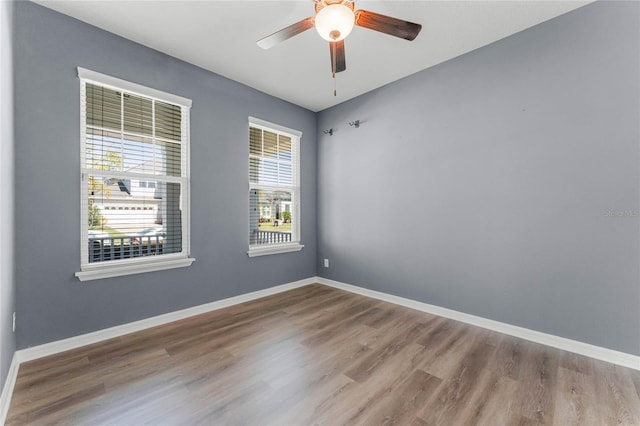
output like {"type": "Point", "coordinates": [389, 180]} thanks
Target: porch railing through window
{"type": "Point", "coordinates": [270, 237]}
{"type": "Point", "coordinates": [124, 247]}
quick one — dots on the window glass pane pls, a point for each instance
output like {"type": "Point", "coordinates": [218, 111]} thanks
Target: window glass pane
{"type": "Point", "coordinates": [135, 154]}
{"type": "Point", "coordinates": [254, 170]}
{"type": "Point", "coordinates": [168, 160]}
{"type": "Point", "coordinates": [172, 216]}
{"type": "Point", "coordinates": [103, 150]}
{"type": "Point", "coordinates": [270, 217]}
{"type": "Point", "coordinates": [286, 174]}
{"type": "Point", "coordinates": [127, 220]}
{"type": "Point", "coordinates": [270, 144]}
{"type": "Point", "coordinates": [270, 161]}
{"type": "Point", "coordinates": [168, 121]}
{"type": "Point", "coordinates": [255, 141]}
{"type": "Point", "coordinates": [138, 116]}
{"type": "Point", "coordinates": [138, 154]}
{"type": "Point", "coordinates": [103, 107]}
{"type": "Point", "coordinates": [269, 175]}
{"type": "Point", "coordinates": [284, 148]}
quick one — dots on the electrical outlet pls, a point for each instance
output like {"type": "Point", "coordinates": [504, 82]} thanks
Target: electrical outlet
{"type": "Point", "coordinates": [326, 263]}
{"type": "Point", "coordinates": [14, 322]}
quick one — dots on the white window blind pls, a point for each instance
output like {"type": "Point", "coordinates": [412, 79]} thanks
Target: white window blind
{"type": "Point", "coordinates": [135, 181]}
{"type": "Point", "coordinates": [274, 189]}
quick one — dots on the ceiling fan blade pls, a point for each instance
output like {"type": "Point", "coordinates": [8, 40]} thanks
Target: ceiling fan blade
{"type": "Point", "coordinates": [338, 63]}
{"type": "Point", "coordinates": [286, 33]}
{"type": "Point", "coordinates": [388, 25]}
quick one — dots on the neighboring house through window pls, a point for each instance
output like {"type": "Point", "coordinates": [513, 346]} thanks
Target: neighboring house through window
{"type": "Point", "coordinates": [274, 188]}
{"type": "Point", "coordinates": [135, 178]}
{"type": "Point", "coordinates": [146, 184]}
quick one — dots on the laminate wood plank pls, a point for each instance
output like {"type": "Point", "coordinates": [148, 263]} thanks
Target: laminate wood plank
{"type": "Point", "coordinates": [137, 403]}
{"type": "Point", "coordinates": [39, 413]}
{"type": "Point", "coordinates": [308, 373]}
{"type": "Point", "coordinates": [349, 410]}
{"type": "Point", "coordinates": [445, 352]}
{"type": "Point", "coordinates": [310, 405]}
{"type": "Point", "coordinates": [396, 323]}
{"type": "Point", "coordinates": [313, 369]}
{"type": "Point", "coordinates": [317, 355]}
{"type": "Point", "coordinates": [441, 330]}
{"type": "Point", "coordinates": [403, 406]}
{"type": "Point", "coordinates": [455, 393]}
{"type": "Point", "coordinates": [507, 360]}
{"type": "Point", "coordinates": [375, 361]}
{"type": "Point", "coordinates": [304, 402]}
{"type": "Point", "coordinates": [576, 400]}
{"type": "Point", "coordinates": [211, 340]}
{"type": "Point", "coordinates": [47, 392]}
{"type": "Point", "coordinates": [616, 393]}
{"type": "Point", "coordinates": [575, 362]}
{"type": "Point", "coordinates": [347, 312]}
{"type": "Point", "coordinates": [317, 300]}
{"type": "Point", "coordinates": [387, 316]}
{"type": "Point", "coordinates": [395, 368]}
{"type": "Point", "coordinates": [518, 420]}
{"type": "Point", "coordinates": [325, 361]}
{"type": "Point", "coordinates": [226, 403]}
{"type": "Point", "coordinates": [538, 383]}
{"type": "Point", "coordinates": [344, 322]}
{"type": "Point", "coordinates": [635, 377]}
{"type": "Point", "coordinates": [377, 389]}
{"type": "Point", "coordinates": [417, 421]}
{"type": "Point", "coordinates": [490, 402]}
{"type": "Point", "coordinates": [33, 379]}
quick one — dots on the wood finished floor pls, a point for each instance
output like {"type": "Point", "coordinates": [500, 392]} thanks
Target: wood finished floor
{"type": "Point", "coordinates": [317, 355]}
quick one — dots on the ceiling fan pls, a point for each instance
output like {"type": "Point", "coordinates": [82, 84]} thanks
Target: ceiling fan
{"type": "Point", "coordinates": [334, 21]}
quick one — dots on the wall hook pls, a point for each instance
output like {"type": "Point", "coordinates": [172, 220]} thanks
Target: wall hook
{"type": "Point", "coordinates": [328, 132]}
{"type": "Point", "coordinates": [355, 124]}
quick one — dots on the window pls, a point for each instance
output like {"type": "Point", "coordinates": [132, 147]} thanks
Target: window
{"type": "Point", "coordinates": [274, 189]}
{"type": "Point", "coordinates": [135, 178]}
{"type": "Point", "coordinates": [146, 184]}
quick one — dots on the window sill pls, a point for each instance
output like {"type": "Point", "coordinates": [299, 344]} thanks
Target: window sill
{"type": "Point", "coordinates": [274, 249]}
{"type": "Point", "coordinates": [139, 268]}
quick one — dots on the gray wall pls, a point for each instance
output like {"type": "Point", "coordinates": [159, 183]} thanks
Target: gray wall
{"type": "Point", "coordinates": [483, 184]}
{"type": "Point", "coordinates": [7, 297]}
{"type": "Point", "coordinates": [51, 303]}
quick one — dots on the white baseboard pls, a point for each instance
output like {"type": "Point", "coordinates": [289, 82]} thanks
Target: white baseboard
{"type": "Point", "coordinates": [120, 330]}
{"type": "Point", "coordinates": [7, 390]}
{"type": "Point", "coordinates": [581, 348]}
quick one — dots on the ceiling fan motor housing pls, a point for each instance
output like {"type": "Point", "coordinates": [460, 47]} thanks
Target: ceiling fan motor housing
{"type": "Point", "coordinates": [321, 4]}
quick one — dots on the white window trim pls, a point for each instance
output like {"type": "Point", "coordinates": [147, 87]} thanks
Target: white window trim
{"type": "Point", "coordinates": [115, 268]}
{"type": "Point", "coordinates": [127, 86]}
{"type": "Point", "coordinates": [130, 268]}
{"type": "Point", "coordinates": [255, 251]}
{"type": "Point", "coordinates": [274, 249]}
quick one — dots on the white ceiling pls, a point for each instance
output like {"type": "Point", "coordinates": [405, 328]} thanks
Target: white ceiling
{"type": "Point", "coordinates": [220, 36]}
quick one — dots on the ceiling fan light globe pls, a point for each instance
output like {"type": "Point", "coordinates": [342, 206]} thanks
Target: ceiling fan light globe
{"type": "Point", "coordinates": [335, 22]}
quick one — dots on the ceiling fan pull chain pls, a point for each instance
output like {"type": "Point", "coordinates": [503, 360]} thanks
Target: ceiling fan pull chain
{"type": "Point", "coordinates": [333, 68]}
